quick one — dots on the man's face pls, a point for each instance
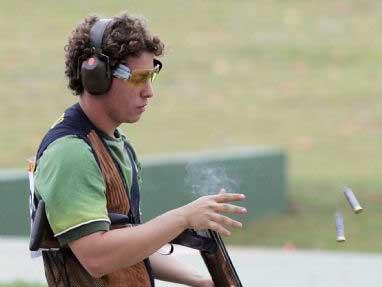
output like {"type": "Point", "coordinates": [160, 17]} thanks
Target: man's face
{"type": "Point", "coordinates": [126, 100]}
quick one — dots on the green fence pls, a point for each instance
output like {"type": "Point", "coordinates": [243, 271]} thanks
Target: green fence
{"type": "Point", "coordinates": [171, 181]}
{"type": "Point", "coordinates": [14, 199]}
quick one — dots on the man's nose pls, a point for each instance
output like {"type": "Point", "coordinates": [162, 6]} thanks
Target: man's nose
{"type": "Point", "coordinates": [148, 92]}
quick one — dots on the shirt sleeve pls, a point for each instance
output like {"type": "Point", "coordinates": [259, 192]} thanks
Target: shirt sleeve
{"type": "Point", "coordinates": [70, 182]}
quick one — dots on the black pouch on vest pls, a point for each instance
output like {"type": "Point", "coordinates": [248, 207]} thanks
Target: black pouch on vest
{"type": "Point", "coordinates": [41, 234]}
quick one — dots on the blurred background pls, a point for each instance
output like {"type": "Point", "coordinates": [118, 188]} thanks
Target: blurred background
{"type": "Point", "coordinates": [300, 77]}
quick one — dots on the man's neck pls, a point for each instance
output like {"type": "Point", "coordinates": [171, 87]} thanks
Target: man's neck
{"type": "Point", "coordinates": [94, 110]}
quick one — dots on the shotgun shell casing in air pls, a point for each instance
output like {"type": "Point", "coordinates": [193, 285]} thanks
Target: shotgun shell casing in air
{"type": "Point", "coordinates": [352, 200]}
{"type": "Point", "coordinates": [340, 227]}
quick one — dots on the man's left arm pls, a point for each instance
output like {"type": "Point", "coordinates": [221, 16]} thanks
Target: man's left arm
{"type": "Point", "coordinates": [168, 268]}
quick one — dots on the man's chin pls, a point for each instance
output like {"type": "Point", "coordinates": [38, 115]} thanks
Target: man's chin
{"type": "Point", "coordinates": [132, 120]}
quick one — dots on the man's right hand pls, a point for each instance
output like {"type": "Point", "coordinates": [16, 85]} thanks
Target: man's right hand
{"type": "Point", "coordinates": [206, 212]}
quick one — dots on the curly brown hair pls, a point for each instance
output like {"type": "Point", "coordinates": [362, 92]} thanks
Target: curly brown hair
{"type": "Point", "coordinates": [126, 36]}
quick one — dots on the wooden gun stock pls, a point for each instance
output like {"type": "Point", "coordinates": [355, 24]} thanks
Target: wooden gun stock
{"type": "Point", "coordinates": [214, 254]}
{"type": "Point", "coordinates": [219, 264]}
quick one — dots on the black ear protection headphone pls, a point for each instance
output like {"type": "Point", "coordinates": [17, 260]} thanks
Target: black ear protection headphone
{"type": "Point", "coordinates": [95, 71]}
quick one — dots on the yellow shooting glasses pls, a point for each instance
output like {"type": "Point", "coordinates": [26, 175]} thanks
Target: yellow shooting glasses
{"type": "Point", "coordinates": [137, 77]}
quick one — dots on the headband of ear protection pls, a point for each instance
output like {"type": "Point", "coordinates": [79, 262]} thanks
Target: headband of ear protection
{"type": "Point", "coordinates": [95, 71]}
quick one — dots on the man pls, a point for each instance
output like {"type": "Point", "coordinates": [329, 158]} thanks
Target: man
{"type": "Point", "coordinates": [87, 170]}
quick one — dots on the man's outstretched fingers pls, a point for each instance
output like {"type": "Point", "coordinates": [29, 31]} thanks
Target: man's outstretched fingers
{"type": "Point", "coordinates": [227, 197]}
{"type": "Point", "coordinates": [225, 220]}
{"type": "Point", "coordinates": [230, 208]}
{"type": "Point", "coordinates": [218, 228]}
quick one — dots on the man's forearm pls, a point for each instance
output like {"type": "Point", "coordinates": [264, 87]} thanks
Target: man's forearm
{"type": "Point", "coordinates": [168, 268]}
{"type": "Point", "coordinates": [102, 253]}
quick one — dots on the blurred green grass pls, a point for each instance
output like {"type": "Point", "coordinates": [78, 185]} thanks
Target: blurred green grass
{"type": "Point", "coordinates": [302, 76]}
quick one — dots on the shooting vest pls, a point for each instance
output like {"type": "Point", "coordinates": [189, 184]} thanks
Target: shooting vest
{"type": "Point", "coordinates": [61, 266]}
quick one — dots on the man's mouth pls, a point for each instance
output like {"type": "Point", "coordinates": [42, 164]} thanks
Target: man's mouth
{"type": "Point", "coordinates": [142, 108]}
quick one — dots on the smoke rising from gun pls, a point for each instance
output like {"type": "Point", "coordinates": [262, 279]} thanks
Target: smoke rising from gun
{"type": "Point", "coordinates": [208, 179]}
